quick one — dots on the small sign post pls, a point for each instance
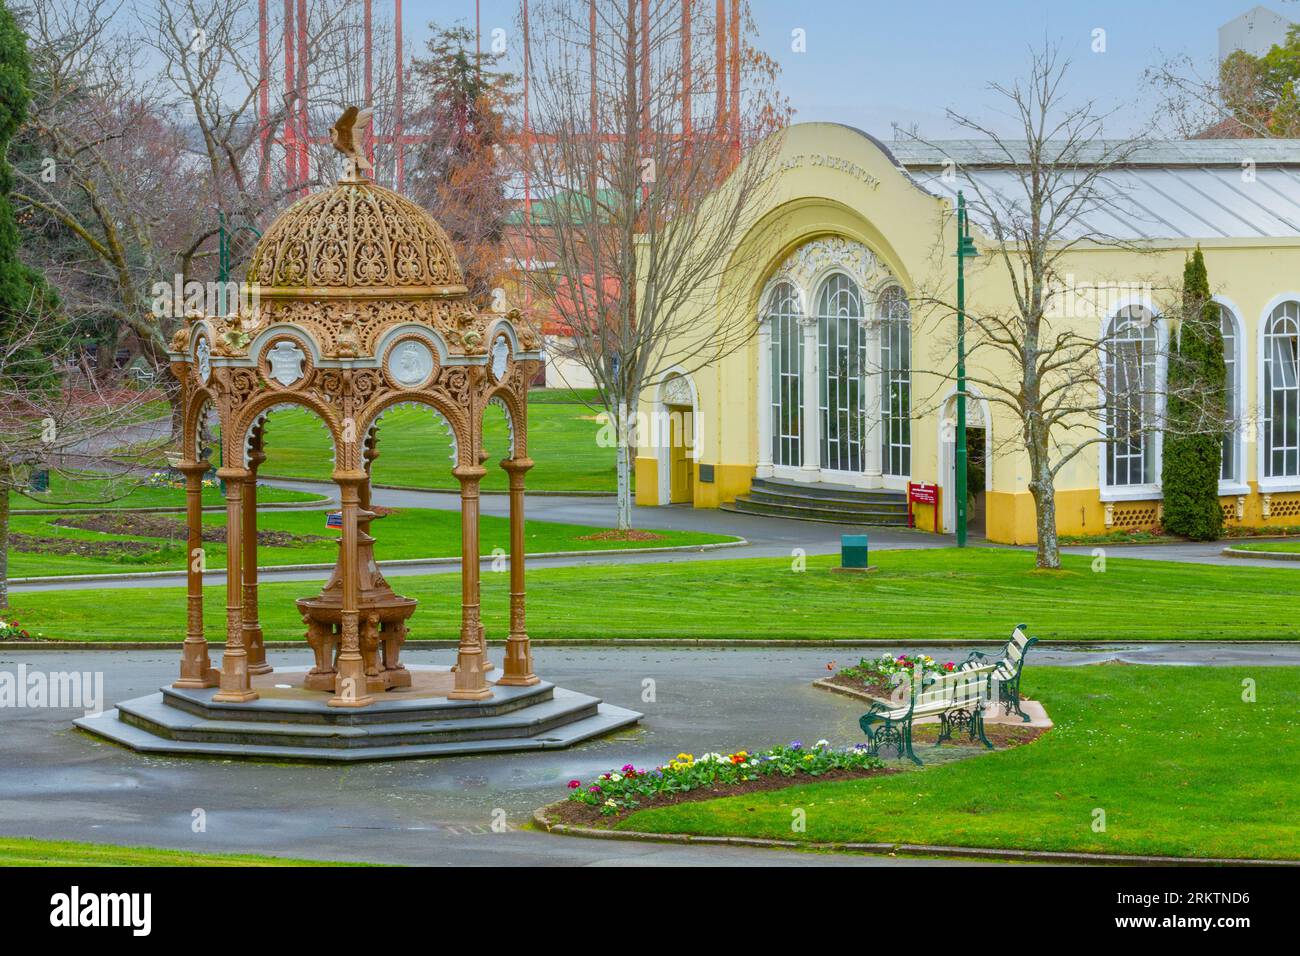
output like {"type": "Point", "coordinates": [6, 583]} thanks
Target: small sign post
{"type": "Point", "coordinates": [922, 493]}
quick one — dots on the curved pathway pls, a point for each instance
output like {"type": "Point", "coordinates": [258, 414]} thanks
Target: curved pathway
{"type": "Point", "coordinates": [58, 783]}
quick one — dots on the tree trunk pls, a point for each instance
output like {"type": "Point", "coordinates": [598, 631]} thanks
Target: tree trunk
{"type": "Point", "coordinates": [1043, 488]}
{"type": "Point", "coordinates": [4, 544]}
{"type": "Point", "coordinates": [624, 468]}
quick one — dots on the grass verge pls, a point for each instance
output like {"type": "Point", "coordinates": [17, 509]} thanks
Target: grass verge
{"type": "Point", "coordinates": [23, 851]}
{"type": "Point", "coordinates": [916, 596]}
{"type": "Point", "coordinates": [1142, 760]}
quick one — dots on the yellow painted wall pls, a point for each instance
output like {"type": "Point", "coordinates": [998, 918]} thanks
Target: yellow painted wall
{"type": "Point", "coordinates": [833, 181]}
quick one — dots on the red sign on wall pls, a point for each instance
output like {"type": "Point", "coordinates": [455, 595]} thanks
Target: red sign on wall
{"type": "Point", "coordinates": [923, 494]}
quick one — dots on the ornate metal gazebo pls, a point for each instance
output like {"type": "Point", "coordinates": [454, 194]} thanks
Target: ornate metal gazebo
{"type": "Point", "coordinates": [357, 305]}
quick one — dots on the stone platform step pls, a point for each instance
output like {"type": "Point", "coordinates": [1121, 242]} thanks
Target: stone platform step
{"type": "Point", "coordinates": [306, 708]}
{"type": "Point", "coordinates": [822, 502]}
{"type": "Point", "coordinates": [606, 719]}
{"type": "Point", "coordinates": [288, 722]}
{"type": "Point", "coordinates": [153, 715]}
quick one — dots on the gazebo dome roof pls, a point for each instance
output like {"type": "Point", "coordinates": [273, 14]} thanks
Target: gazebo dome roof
{"type": "Point", "coordinates": [355, 239]}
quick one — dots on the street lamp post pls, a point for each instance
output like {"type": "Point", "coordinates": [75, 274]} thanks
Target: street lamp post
{"type": "Point", "coordinates": [223, 255]}
{"type": "Point", "coordinates": [965, 250]}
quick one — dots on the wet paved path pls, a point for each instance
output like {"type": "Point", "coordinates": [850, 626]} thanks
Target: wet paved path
{"type": "Point", "coordinates": [61, 784]}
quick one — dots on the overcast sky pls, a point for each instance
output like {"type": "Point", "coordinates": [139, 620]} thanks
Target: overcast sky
{"type": "Point", "coordinates": [872, 63]}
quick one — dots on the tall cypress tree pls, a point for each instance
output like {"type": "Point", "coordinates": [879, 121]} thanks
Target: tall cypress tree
{"type": "Point", "coordinates": [1197, 413]}
{"type": "Point", "coordinates": [24, 296]}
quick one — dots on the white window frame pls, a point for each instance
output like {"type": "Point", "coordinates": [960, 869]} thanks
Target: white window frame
{"type": "Point", "coordinates": [892, 479]}
{"type": "Point", "coordinates": [791, 317]}
{"type": "Point", "coordinates": [1265, 482]}
{"type": "Point", "coordinates": [1236, 485]}
{"type": "Point", "coordinates": [1143, 491]}
{"type": "Point", "coordinates": [857, 343]}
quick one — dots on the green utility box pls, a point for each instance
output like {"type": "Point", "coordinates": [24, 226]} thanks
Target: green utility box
{"type": "Point", "coordinates": [853, 551]}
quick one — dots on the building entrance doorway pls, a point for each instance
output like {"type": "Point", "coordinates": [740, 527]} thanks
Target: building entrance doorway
{"type": "Point", "coordinates": [681, 460]}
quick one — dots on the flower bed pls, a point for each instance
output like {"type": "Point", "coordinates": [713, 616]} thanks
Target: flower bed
{"type": "Point", "coordinates": [883, 676]}
{"type": "Point", "coordinates": [627, 788]}
{"type": "Point", "coordinates": [12, 631]}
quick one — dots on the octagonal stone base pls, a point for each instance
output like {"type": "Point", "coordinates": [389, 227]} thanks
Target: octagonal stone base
{"type": "Point", "coordinates": [290, 722]}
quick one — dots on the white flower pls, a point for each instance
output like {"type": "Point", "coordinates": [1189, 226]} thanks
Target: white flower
{"type": "Point", "coordinates": [615, 777]}
{"type": "Point", "coordinates": [822, 744]}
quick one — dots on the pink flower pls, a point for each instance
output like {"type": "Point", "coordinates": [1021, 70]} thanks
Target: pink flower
{"type": "Point", "coordinates": [627, 767]}
{"type": "Point", "coordinates": [594, 788]}
{"type": "Point", "coordinates": [575, 784]}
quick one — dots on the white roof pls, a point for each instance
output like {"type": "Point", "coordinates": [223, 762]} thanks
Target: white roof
{"type": "Point", "coordinates": [1192, 189]}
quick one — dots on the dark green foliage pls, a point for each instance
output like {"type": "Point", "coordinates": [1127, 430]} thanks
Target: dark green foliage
{"type": "Point", "coordinates": [24, 296]}
{"type": "Point", "coordinates": [1193, 445]}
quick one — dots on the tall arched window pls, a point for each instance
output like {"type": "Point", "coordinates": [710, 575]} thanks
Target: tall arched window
{"type": "Point", "coordinates": [1281, 393]}
{"type": "Point", "coordinates": [842, 355]}
{"type": "Point", "coordinates": [1130, 356]}
{"type": "Point", "coordinates": [787, 370]}
{"type": "Point", "coordinates": [1229, 470]}
{"type": "Point", "coordinates": [895, 382]}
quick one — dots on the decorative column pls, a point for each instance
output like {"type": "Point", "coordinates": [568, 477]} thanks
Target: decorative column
{"type": "Point", "coordinates": [234, 686]}
{"type": "Point", "coordinates": [812, 416]}
{"type": "Point", "coordinates": [518, 668]}
{"type": "Point", "coordinates": [253, 642]}
{"type": "Point", "coordinates": [350, 688]}
{"type": "Point", "coordinates": [873, 459]}
{"type": "Point", "coordinates": [764, 392]}
{"type": "Point", "coordinates": [196, 666]}
{"type": "Point", "coordinates": [471, 682]}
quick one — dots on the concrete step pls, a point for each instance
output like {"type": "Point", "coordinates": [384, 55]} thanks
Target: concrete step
{"type": "Point", "coordinates": [153, 714]}
{"type": "Point", "coordinates": [846, 505]}
{"type": "Point", "coordinates": [826, 490]}
{"type": "Point", "coordinates": [829, 514]}
{"type": "Point", "coordinates": [606, 719]}
{"type": "Point", "coordinates": [389, 707]}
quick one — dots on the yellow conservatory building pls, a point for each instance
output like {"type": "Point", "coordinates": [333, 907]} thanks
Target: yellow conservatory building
{"type": "Point", "coordinates": [840, 405]}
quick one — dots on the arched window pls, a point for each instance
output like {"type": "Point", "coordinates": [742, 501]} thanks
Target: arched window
{"type": "Point", "coordinates": [842, 355]}
{"type": "Point", "coordinates": [895, 382]}
{"type": "Point", "coordinates": [787, 370]}
{"type": "Point", "coordinates": [1131, 354]}
{"type": "Point", "coordinates": [1229, 470]}
{"type": "Point", "coordinates": [1281, 394]}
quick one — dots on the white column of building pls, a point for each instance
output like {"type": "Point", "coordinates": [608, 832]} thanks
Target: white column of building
{"type": "Point", "coordinates": [872, 459]}
{"type": "Point", "coordinates": [812, 416]}
{"type": "Point", "coordinates": [764, 411]}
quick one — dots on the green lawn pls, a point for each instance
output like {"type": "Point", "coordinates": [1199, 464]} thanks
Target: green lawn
{"type": "Point", "coordinates": [1178, 762]}
{"type": "Point", "coordinates": [407, 533]}
{"type": "Point", "coordinates": [916, 595]}
{"type": "Point", "coordinates": [414, 449]}
{"type": "Point", "coordinates": [21, 851]}
{"type": "Point", "coordinates": [1286, 547]}
{"type": "Point", "coordinates": [101, 493]}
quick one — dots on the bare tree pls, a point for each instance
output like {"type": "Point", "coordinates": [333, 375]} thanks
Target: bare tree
{"type": "Point", "coordinates": [145, 130]}
{"type": "Point", "coordinates": [56, 417]}
{"type": "Point", "coordinates": [643, 197]}
{"type": "Point", "coordinates": [1075, 382]}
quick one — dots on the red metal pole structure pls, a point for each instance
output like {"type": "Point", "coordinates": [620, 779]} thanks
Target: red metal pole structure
{"type": "Point", "coordinates": [304, 128]}
{"type": "Point", "coordinates": [528, 189]}
{"type": "Point", "coordinates": [263, 98]}
{"type": "Point", "coordinates": [720, 56]}
{"type": "Point", "coordinates": [290, 105]}
{"type": "Point", "coordinates": [734, 113]}
{"type": "Point", "coordinates": [397, 90]}
{"type": "Point", "coordinates": [370, 86]}
{"type": "Point", "coordinates": [686, 73]}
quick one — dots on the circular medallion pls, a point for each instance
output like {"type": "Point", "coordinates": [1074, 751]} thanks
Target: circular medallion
{"type": "Point", "coordinates": [410, 363]}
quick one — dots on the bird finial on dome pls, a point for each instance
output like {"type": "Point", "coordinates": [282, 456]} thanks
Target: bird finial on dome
{"type": "Point", "coordinates": [344, 140]}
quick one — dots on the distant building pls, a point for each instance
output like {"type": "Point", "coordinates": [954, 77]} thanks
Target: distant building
{"type": "Point", "coordinates": [1256, 31]}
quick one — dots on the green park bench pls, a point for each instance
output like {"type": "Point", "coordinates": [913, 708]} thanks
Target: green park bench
{"type": "Point", "coordinates": [1006, 673]}
{"type": "Point", "coordinates": [956, 698]}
